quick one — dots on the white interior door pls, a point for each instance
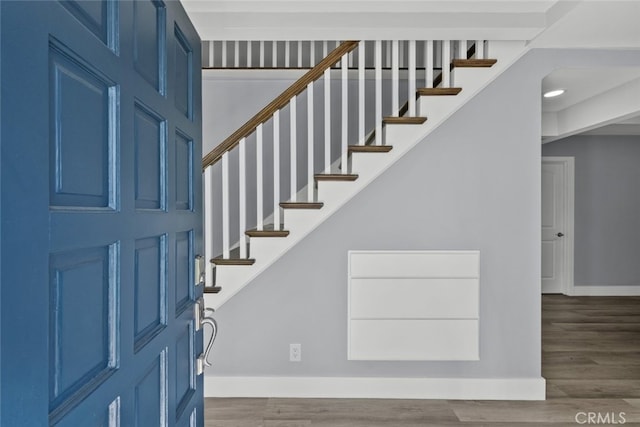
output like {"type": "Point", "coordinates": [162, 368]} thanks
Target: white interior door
{"type": "Point", "coordinates": [554, 226]}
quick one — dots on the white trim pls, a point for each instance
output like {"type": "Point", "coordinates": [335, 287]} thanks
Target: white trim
{"type": "Point", "coordinates": [377, 388]}
{"type": "Point", "coordinates": [568, 164]}
{"type": "Point", "coordinates": [605, 291]}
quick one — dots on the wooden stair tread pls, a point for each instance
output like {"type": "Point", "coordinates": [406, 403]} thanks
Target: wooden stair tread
{"type": "Point", "coordinates": [465, 63]}
{"type": "Point", "coordinates": [439, 91]}
{"type": "Point", "coordinates": [335, 177]}
{"type": "Point", "coordinates": [370, 148]}
{"type": "Point", "coordinates": [233, 261]}
{"type": "Point", "coordinates": [267, 233]}
{"type": "Point", "coordinates": [301, 205]}
{"type": "Point", "coordinates": [404, 120]}
{"type": "Point", "coordinates": [212, 289]}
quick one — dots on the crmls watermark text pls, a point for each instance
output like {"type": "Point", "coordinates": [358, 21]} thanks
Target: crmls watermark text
{"type": "Point", "coordinates": [610, 418]}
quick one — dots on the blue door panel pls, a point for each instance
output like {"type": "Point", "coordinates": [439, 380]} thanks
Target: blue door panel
{"type": "Point", "coordinates": [184, 271]}
{"type": "Point", "coordinates": [149, 41]}
{"type": "Point", "coordinates": [183, 171]}
{"type": "Point", "coordinates": [83, 342]}
{"type": "Point", "coordinates": [183, 80]}
{"type": "Point", "coordinates": [149, 395]}
{"type": "Point", "coordinates": [82, 135]}
{"type": "Point", "coordinates": [150, 141]}
{"type": "Point", "coordinates": [96, 16]}
{"type": "Point", "coordinates": [101, 214]}
{"type": "Point", "coordinates": [150, 286]}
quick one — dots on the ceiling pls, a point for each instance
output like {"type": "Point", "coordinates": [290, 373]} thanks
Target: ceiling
{"type": "Point", "coordinates": [599, 101]}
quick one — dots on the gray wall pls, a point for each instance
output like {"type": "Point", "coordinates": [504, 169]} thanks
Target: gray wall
{"type": "Point", "coordinates": [607, 207]}
{"type": "Point", "coordinates": [474, 183]}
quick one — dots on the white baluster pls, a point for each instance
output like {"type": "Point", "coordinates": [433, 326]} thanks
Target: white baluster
{"type": "Point", "coordinates": [236, 54]}
{"type": "Point", "coordinates": [274, 54]}
{"type": "Point", "coordinates": [259, 182]}
{"type": "Point", "coordinates": [225, 206]}
{"type": "Point", "coordinates": [276, 170]}
{"type": "Point", "coordinates": [378, 117]}
{"type": "Point", "coordinates": [310, 167]}
{"type": "Point", "coordinates": [395, 79]}
{"type": "Point", "coordinates": [387, 63]}
{"type": "Point", "coordinates": [242, 190]}
{"type": "Point", "coordinates": [345, 112]}
{"type": "Point", "coordinates": [480, 49]}
{"type": "Point", "coordinates": [446, 63]}
{"type": "Point", "coordinates": [412, 78]}
{"type": "Point", "coordinates": [224, 53]}
{"type": "Point", "coordinates": [312, 54]}
{"type": "Point", "coordinates": [211, 53]}
{"type": "Point", "coordinates": [327, 120]}
{"type": "Point", "coordinates": [361, 82]}
{"type": "Point", "coordinates": [428, 63]}
{"type": "Point", "coordinates": [208, 223]}
{"type": "Point", "coordinates": [325, 48]}
{"type": "Point", "coordinates": [462, 49]}
{"type": "Point", "coordinates": [261, 53]}
{"type": "Point", "coordinates": [249, 54]}
{"type": "Point", "coordinates": [299, 43]}
{"type": "Point", "coordinates": [293, 147]}
{"type": "Point", "coordinates": [287, 53]}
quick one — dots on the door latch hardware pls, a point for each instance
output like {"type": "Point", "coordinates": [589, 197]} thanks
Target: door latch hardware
{"type": "Point", "coordinates": [199, 270]}
{"type": "Point", "coordinates": [200, 363]}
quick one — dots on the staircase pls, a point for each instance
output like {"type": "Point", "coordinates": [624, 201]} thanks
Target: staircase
{"type": "Point", "coordinates": [432, 94]}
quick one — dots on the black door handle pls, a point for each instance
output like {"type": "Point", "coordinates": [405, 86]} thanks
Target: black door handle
{"type": "Point", "coordinates": [560, 234]}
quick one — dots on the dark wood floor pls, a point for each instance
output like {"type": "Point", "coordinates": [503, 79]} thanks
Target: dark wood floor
{"type": "Point", "coordinates": [590, 358]}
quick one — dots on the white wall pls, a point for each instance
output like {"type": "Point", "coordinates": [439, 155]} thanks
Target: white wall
{"type": "Point", "coordinates": [474, 183]}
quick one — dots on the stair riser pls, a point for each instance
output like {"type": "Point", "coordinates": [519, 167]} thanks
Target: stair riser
{"type": "Point", "coordinates": [367, 165]}
{"type": "Point", "coordinates": [300, 221]}
{"type": "Point", "coordinates": [403, 134]}
{"type": "Point", "coordinates": [332, 193]}
{"type": "Point", "coordinates": [265, 247]}
{"type": "Point", "coordinates": [470, 78]}
{"type": "Point", "coordinates": [437, 106]}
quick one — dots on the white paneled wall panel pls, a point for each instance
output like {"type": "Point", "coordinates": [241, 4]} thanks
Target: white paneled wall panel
{"type": "Point", "coordinates": [414, 340]}
{"type": "Point", "coordinates": [424, 298]}
{"type": "Point", "coordinates": [414, 264]}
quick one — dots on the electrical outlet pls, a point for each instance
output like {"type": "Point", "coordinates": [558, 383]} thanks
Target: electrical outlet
{"type": "Point", "coordinates": [295, 352]}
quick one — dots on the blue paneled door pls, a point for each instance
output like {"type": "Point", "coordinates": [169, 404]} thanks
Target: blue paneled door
{"type": "Point", "coordinates": [100, 214]}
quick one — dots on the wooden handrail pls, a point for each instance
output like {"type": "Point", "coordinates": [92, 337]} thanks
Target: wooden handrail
{"type": "Point", "coordinates": [282, 100]}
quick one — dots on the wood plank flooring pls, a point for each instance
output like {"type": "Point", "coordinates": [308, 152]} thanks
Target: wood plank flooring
{"type": "Point", "coordinates": [590, 358]}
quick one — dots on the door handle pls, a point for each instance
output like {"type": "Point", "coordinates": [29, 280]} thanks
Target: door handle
{"type": "Point", "coordinates": [560, 234]}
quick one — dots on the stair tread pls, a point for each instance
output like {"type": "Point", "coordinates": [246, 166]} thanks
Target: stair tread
{"type": "Point", "coordinates": [439, 91]}
{"type": "Point", "coordinates": [370, 148]}
{"type": "Point", "coordinates": [233, 261]}
{"type": "Point", "coordinates": [335, 177]}
{"type": "Point", "coordinates": [301, 205]}
{"type": "Point", "coordinates": [267, 231]}
{"type": "Point", "coordinates": [212, 289]}
{"type": "Point", "coordinates": [404, 120]}
{"type": "Point", "coordinates": [462, 63]}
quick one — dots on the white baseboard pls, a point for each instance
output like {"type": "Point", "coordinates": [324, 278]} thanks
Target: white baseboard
{"type": "Point", "coordinates": [377, 388]}
{"type": "Point", "coordinates": [604, 291]}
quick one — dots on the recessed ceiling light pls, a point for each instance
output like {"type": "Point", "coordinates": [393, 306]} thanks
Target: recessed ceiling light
{"type": "Point", "coordinates": [553, 93]}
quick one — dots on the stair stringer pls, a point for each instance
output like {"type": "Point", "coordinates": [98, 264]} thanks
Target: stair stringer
{"type": "Point", "coordinates": [334, 195]}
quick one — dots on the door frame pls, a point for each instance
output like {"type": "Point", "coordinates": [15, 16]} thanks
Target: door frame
{"type": "Point", "coordinates": [568, 169]}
